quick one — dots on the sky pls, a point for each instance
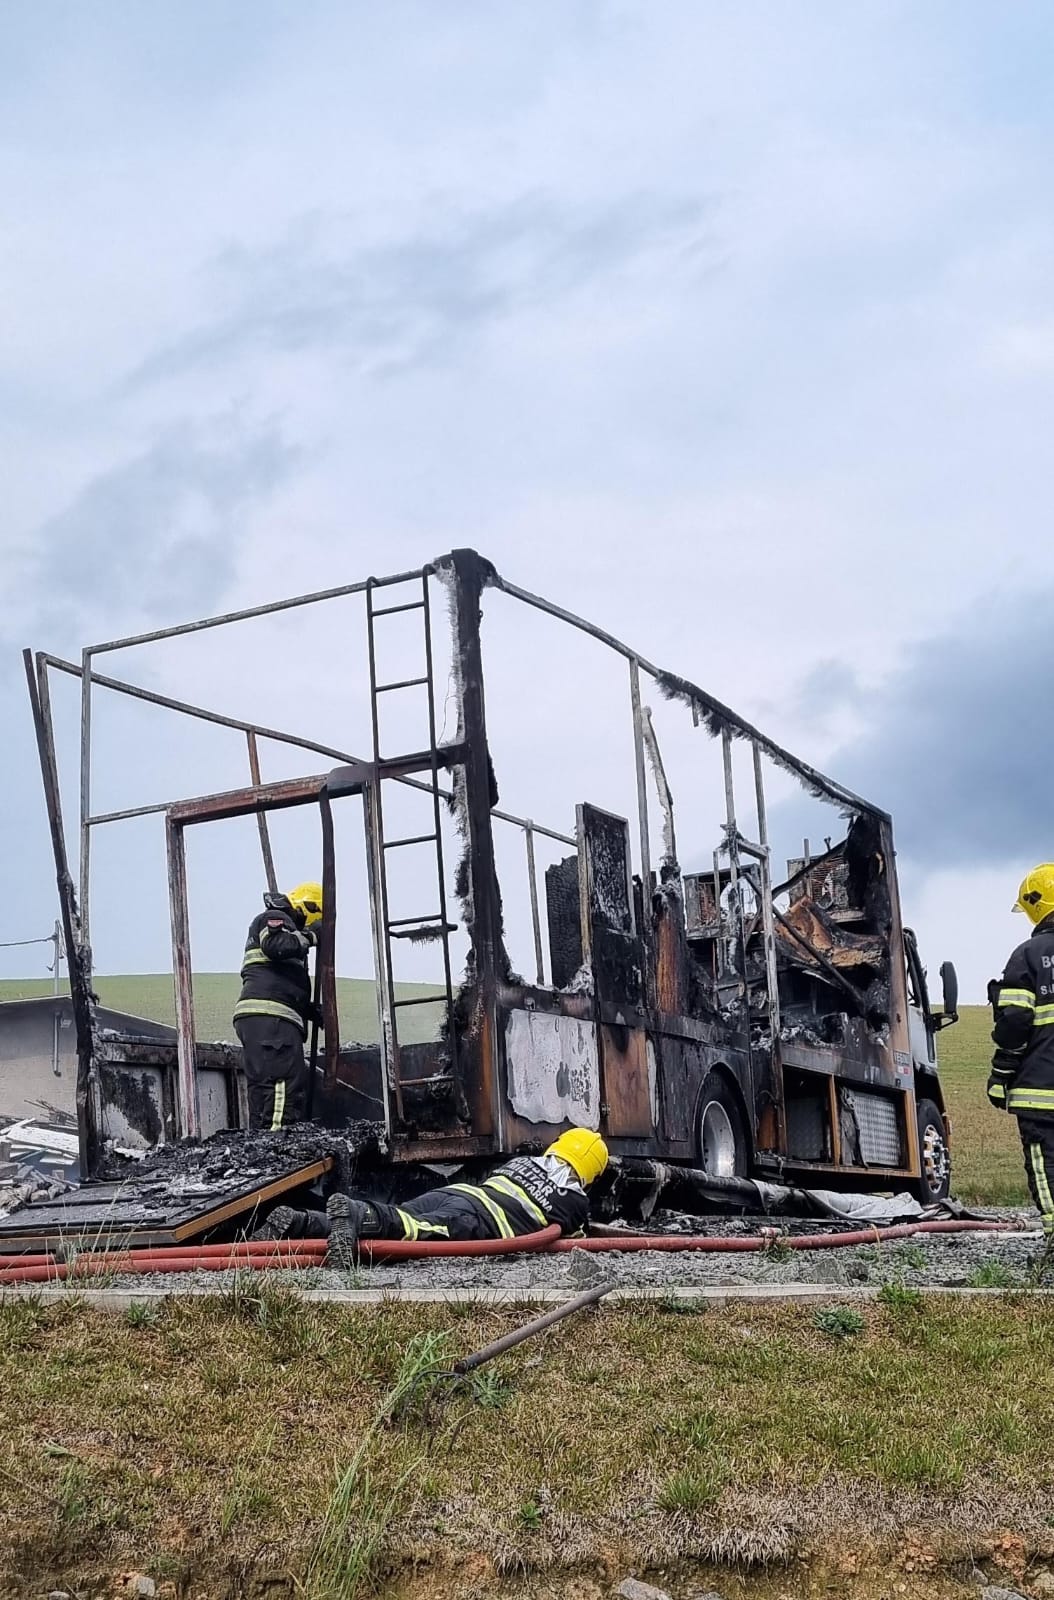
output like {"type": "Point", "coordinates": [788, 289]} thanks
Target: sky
{"type": "Point", "coordinates": [730, 328]}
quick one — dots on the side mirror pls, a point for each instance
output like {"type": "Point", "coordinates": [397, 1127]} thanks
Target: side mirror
{"type": "Point", "coordinates": [950, 989]}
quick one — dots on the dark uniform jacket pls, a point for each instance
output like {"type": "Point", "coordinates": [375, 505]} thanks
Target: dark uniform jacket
{"type": "Point", "coordinates": [275, 980]}
{"type": "Point", "coordinates": [1023, 1003]}
{"type": "Point", "coordinates": [529, 1193]}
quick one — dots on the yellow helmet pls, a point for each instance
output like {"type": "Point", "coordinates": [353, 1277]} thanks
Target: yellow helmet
{"type": "Point", "coordinates": [1036, 894]}
{"type": "Point", "coordinates": [307, 898]}
{"type": "Point", "coordinates": [583, 1150]}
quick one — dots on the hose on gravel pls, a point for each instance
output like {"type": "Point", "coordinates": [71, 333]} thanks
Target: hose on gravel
{"type": "Point", "coordinates": [270, 1254]}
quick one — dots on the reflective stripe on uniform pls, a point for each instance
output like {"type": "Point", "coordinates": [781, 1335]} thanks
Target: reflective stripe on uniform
{"type": "Point", "coordinates": [1039, 1172]}
{"type": "Point", "coordinates": [255, 958]}
{"type": "Point", "coordinates": [1026, 1098]}
{"type": "Point", "coordinates": [416, 1226]}
{"type": "Point", "coordinates": [515, 1192]}
{"type": "Point", "coordinates": [269, 1008]}
{"type": "Point", "coordinates": [279, 1104]}
{"type": "Point", "coordinates": [504, 1226]}
{"type": "Point", "coordinates": [1017, 997]}
{"type": "Point", "coordinates": [1044, 1017]}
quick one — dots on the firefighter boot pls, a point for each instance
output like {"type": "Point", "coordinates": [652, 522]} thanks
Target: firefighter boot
{"type": "Point", "coordinates": [349, 1220]}
{"type": "Point", "coordinates": [285, 1222]}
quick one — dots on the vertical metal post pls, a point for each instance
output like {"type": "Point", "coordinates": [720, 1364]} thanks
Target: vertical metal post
{"type": "Point", "coordinates": [642, 789]}
{"type": "Point", "coordinates": [733, 850]}
{"type": "Point", "coordinates": [532, 879]}
{"type": "Point", "coordinates": [57, 941]}
{"type": "Point", "coordinates": [261, 816]}
{"type": "Point", "coordinates": [378, 922]}
{"type": "Point", "coordinates": [437, 819]}
{"type": "Point", "coordinates": [326, 953]}
{"type": "Point", "coordinates": [77, 955]}
{"type": "Point", "coordinates": [85, 801]}
{"type": "Point", "coordinates": [379, 891]}
{"type": "Point", "coordinates": [488, 1102]}
{"type": "Point", "coordinates": [768, 927]}
{"type": "Point", "coordinates": [188, 1114]}
{"type": "Point", "coordinates": [759, 791]}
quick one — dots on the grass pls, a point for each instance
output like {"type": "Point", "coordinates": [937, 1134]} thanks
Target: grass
{"type": "Point", "coordinates": [986, 1152]}
{"type": "Point", "coordinates": [993, 1275]}
{"type": "Point", "coordinates": [255, 1435]}
{"type": "Point", "coordinates": [839, 1322]}
{"type": "Point", "coordinates": [151, 996]}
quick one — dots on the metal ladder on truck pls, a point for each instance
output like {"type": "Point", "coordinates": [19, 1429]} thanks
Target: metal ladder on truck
{"type": "Point", "coordinates": [430, 923]}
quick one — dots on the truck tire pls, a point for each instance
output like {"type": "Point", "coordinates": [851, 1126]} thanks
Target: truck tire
{"type": "Point", "coordinates": [724, 1149]}
{"type": "Point", "coordinates": [936, 1179]}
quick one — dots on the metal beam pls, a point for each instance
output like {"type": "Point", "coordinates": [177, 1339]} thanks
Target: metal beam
{"type": "Point", "coordinates": [188, 1109]}
{"type": "Point", "coordinates": [723, 714]}
{"type": "Point", "coordinates": [261, 816]}
{"type": "Point", "coordinates": [185, 708]}
{"type": "Point", "coordinates": [77, 956]}
{"type": "Point", "coordinates": [532, 880]}
{"type": "Point", "coordinates": [247, 802]}
{"type": "Point", "coordinates": [270, 609]}
{"type": "Point", "coordinates": [85, 798]}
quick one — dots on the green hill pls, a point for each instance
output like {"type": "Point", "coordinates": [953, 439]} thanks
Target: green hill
{"type": "Point", "coordinates": [151, 996]}
{"type": "Point", "coordinates": [986, 1151]}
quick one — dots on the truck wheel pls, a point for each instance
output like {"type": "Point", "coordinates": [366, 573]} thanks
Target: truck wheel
{"type": "Point", "coordinates": [936, 1179]}
{"type": "Point", "coordinates": [724, 1150]}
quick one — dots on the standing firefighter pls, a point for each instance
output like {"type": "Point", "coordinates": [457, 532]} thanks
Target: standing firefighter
{"type": "Point", "coordinates": [1022, 1077]}
{"type": "Point", "coordinates": [523, 1196]}
{"type": "Point", "coordinates": [275, 1007]}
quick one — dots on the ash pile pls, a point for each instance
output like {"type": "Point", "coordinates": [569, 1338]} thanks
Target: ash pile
{"type": "Point", "coordinates": [193, 1168]}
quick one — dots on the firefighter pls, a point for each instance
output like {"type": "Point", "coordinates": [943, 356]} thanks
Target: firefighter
{"type": "Point", "coordinates": [275, 1006]}
{"type": "Point", "coordinates": [1022, 1076]}
{"type": "Point", "coordinates": [525, 1195]}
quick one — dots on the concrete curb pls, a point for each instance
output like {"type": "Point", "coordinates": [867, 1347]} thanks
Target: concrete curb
{"type": "Point", "coordinates": [789, 1293]}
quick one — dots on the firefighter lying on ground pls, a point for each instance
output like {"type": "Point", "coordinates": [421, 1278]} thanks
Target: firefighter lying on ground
{"type": "Point", "coordinates": [275, 1007]}
{"type": "Point", "coordinates": [1022, 1077]}
{"type": "Point", "coordinates": [523, 1196]}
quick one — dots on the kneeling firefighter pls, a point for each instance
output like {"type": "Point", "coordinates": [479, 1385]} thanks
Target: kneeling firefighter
{"type": "Point", "coordinates": [1022, 1077]}
{"type": "Point", "coordinates": [525, 1195]}
{"type": "Point", "coordinates": [276, 1005]}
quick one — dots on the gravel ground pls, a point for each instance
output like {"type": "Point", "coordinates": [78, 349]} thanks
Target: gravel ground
{"type": "Point", "coordinates": [930, 1260]}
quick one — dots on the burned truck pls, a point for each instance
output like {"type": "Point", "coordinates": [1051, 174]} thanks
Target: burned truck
{"type": "Point", "coordinates": [716, 1012]}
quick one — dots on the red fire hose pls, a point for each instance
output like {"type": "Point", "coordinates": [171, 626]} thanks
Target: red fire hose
{"type": "Point", "coordinates": [789, 1241]}
{"type": "Point", "coordinates": [262, 1255]}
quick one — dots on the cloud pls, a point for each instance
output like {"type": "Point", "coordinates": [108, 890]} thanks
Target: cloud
{"type": "Point", "coordinates": [955, 742]}
{"type": "Point", "coordinates": [403, 304]}
{"type": "Point", "coordinates": [158, 534]}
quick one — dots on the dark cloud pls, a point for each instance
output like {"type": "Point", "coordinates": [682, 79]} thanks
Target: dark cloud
{"type": "Point", "coordinates": [957, 742]}
{"type": "Point", "coordinates": [406, 303]}
{"type": "Point", "coordinates": [156, 535]}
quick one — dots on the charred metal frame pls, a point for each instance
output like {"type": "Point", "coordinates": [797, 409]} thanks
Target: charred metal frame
{"type": "Point", "coordinates": [650, 1050]}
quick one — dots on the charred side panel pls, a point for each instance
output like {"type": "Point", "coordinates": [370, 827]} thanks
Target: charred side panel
{"type": "Point", "coordinates": [553, 1068]}
{"type": "Point", "coordinates": [564, 916]}
{"type": "Point", "coordinates": [615, 951]}
{"type": "Point", "coordinates": [617, 959]}
{"type": "Point", "coordinates": [133, 1106]}
{"type": "Point", "coordinates": [629, 1079]}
